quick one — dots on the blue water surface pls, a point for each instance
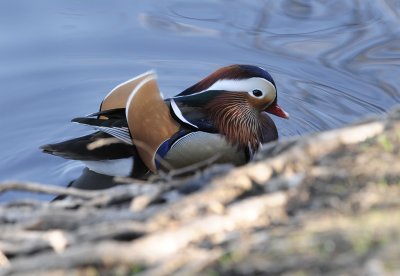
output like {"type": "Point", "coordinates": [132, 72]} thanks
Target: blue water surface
{"type": "Point", "coordinates": [333, 61]}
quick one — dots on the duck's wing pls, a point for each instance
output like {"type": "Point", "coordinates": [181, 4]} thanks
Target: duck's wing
{"type": "Point", "coordinates": [118, 97]}
{"type": "Point", "coordinates": [149, 120]}
{"type": "Point", "coordinates": [111, 116]}
{"type": "Point", "coordinates": [80, 149]}
{"type": "Point", "coordinates": [112, 122]}
{"type": "Point", "coordinates": [198, 146]}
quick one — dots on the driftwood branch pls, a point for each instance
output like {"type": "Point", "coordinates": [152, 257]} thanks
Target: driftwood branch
{"type": "Point", "coordinates": [327, 202]}
{"type": "Point", "coordinates": [47, 189]}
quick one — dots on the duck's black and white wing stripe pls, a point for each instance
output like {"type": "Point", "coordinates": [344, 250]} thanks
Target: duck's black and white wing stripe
{"type": "Point", "coordinates": [112, 122]}
{"type": "Point", "coordinates": [122, 133]}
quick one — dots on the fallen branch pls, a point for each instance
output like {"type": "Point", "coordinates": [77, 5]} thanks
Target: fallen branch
{"type": "Point", "coordinates": [47, 189]}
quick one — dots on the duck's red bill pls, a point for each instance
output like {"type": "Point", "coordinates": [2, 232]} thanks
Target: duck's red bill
{"type": "Point", "coordinates": [277, 111]}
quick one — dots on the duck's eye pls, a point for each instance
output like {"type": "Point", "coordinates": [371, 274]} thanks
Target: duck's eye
{"type": "Point", "coordinates": [257, 93]}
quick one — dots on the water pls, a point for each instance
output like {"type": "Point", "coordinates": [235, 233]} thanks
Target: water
{"type": "Point", "coordinates": [333, 61]}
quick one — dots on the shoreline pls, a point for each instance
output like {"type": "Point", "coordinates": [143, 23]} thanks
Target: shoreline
{"type": "Point", "coordinates": [328, 202]}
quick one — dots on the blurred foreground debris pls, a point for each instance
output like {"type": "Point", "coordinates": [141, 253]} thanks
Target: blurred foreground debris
{"type": "Point", "coordinates": [323, 204]}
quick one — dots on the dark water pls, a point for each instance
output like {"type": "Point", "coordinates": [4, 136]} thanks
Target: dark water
{"type": "Point", "coordinates": [333, 61]}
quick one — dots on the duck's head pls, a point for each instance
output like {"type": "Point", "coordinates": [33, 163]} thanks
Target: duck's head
{"type": "Point", "coordinates": [234, 98]}
{"type": "Point", "coordinates": [252, 83]}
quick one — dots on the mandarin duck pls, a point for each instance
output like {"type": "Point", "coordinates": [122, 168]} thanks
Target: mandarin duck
{"type": "Point", "coordinates": [225, 114]}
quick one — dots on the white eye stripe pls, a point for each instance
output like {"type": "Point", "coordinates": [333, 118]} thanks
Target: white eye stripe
{"type": "Point", "coordinates": [248, 85]}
